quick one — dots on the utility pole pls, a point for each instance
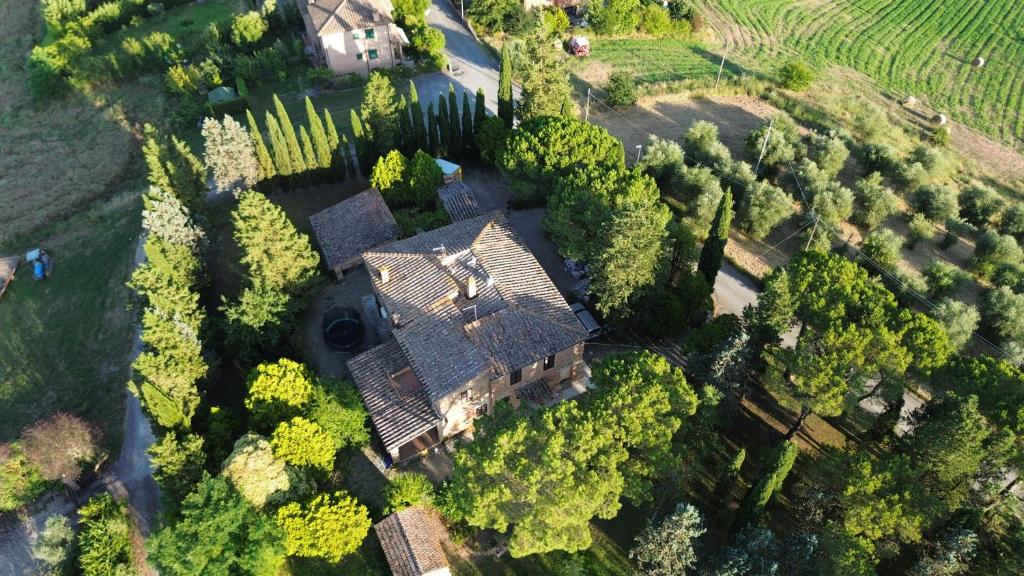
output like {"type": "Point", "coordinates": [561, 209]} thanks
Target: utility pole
{"type": "Point", "coordinates": [764, 145]}
{"type": "Point", "coordinates": [639, 147]}
{"type": "Point", "coordinates": [813, 230]}
{"type": "Point", "coordinates": [586, 109]}
{"type": "Point", "coordinates": [720, 68]}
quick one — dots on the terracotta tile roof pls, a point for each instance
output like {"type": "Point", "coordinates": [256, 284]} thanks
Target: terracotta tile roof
{"type": "Point", "coordinates": [411, 539]}
{"type": "Point", "coordinates": [352, 226]}
{"type": "Point", "coordinates": [517, 317]}
{"type": "Point", "coordinates": [397, 417]}
{"type": "Point", "coordinates": [332, 16]}
{"type": "Point", "coordinates": [459, 201]}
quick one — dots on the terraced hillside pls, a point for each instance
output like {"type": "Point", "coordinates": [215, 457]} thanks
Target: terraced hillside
{"type": "Point", "coordinates": [918, 47]}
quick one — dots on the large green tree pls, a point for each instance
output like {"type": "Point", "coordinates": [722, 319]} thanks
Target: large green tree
{"type": "Point", "coordinates": [545, 83]}
{"type": "Point", "coordinates": [331, 526]}
{"type": "Point", "coordinates": [379, 111]}
{"type": "Point", "coordinates": [506, 107]}
{"type": "Point", "coordinates": [218, 533]}
{"type": "Point", "coordinates": [768, 484]}
{"type": "Point", "coordinates": [713, 252]}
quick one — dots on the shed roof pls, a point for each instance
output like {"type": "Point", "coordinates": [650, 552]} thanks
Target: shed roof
{"type": "Point", "coordinates": [459, 201]}
{"type": "Point", "coordinates": [447, 166]}
{"type": "Point", "coordinates": [411, 539]}
{"type": "Point", "coordinates": [397, 405]}
{"type": "Point", "coordinates": [352, 226]}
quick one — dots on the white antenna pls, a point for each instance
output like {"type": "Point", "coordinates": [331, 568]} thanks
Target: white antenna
{"type": "Point", "coordinates": [439, 249]}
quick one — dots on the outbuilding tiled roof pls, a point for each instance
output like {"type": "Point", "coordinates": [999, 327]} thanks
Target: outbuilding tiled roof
{"type": "Point", "coordinates": [352, 226]}
{"type": "Point", "coordinates": [411, 539]}
{"type": "Point", "coordinates": [332, 16]}
{"type": "Point", "coordinates": [459, 201]}
{"type": "Point", "coordinates": [398, 418]}
{"type": "Point", "coordinates": [517, 317]}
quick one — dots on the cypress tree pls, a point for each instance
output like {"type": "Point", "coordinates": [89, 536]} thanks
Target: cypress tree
{"type": "Point", "coordinates": [362, 154]}
{"type": "Point", "coordinates": [332, 133]}
{"type": "Point", "coordinates": [282, 160]}
{"type": "Point", "coordinates": [416, 113]}
{"type": "Point", "coordinates": [267, 170]}
{"type": "Point", "coordinates": [346, 152]}
{"type": "Point", "coordinates": [714, 247]}
{"type": "Point", "coordinates": [454, 124]}
{"type": "Point", "coordinates": [407, 138]}
{"type": "Point", "coordinates": [319, 137]}
{"type": "Point", "coordinates": [431, 130]}
{"type": "Point", "coordinates": [480, 114]}
{"type": "Point", "coordinates": [568, 110]}
{"type": "Point", "coordinates": [444, 136]}
{"type": "Point", "coordinates": [769, 484]}
{"type": "Point", "coordinates": [308, 150]}
{"type": "Point", "coordinates": [505, 106]}
{"type": "Point", "coordinates": [467, 123]}
{"type": "Point", "coordinates": [294, 150]}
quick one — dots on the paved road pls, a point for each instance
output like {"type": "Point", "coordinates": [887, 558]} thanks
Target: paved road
{"type": "Point", "coordinates": [476, 67]}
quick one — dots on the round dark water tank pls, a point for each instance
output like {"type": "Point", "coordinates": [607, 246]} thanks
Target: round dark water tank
{"type": "Point", "coordinates": [343, 329]}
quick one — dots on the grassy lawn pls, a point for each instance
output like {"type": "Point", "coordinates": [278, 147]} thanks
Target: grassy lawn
{"type": "Point", "coordinates": [186, 23]}
{"type": "Point", "coordinates": [66, 339]}
{"type": "Point", "coordinates": [651, 61]}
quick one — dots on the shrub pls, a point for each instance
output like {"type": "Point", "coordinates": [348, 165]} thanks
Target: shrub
{"type": "Point", "coordinates": [960, 320]}
{"type": "Point", "coordinates": [60, 445]}
{"type": "Point", "coordinates": [621, 90]}
{"type": "Point", "coordinates": [53, 549]}
{"type": "Point", "coordinates": [248, 28]}
{"type": "Point", "coordinates": [920, 229]}
{"type": "Point", "coordinates": [412, 222]}
{"type": "Point", "coordinates": [655, 20]}
{"type": "Point", "coordinates": [783, 143]}
{"type": "Point", "coordinates": [829, 152]}
{"type": "Point", "coordinates": [337, 407]}
{"type": "Point", "coordinates": [20, 482]}
{"type": "Point", "coordinates": [331, 526]}
{"type": "Point", "coordinates": [104, 539]}
{"type": "Point", "coordinates": [260, 477]}
{"type": "Point", "coordinates": [936, 202]}
{"type": "Point", "coordinates": [278, 391]}
{"type": "Point", "coordinates": [424, 178]}
{"type": "Point", "coordinates": [979, 205]}
{"type": "Point", "coordinates": [796, 75]}
{"type": "Point", "coordinates": [554, 21]}
{"type": "Point", "coordinates": [883, 246]}
{"type": "Point", "coordinates": [700, 190]}
{"type": "Point", "coordinates": [875, 201]}
{"type": "Point", "coordinates": [661, 160]}
{"type": "Point", "coordinates": [1012, 220]}
{"type": "Point", "coordinates": [940, 137]}
{"type": "Point", "coordinates": [408, 489]}
{"type": "Point", "coordinates": [763, 208]}
{"type": "Point", "coordinates": [879, 158]}
{"type": "Point", "coordinates": [1003, 311]}
{"type": "Point", "coordinates": [944, 279]}
{"type": "Point", "coordinates": [491, 139]}
{"type": "Point", "coordinates": [177, 463]}
{"type": "Point", "coordinates": [493, 16]}
{"type": "Point", "coordinates": [701, 144]}
{"type": "Point", "coordinates": [993, 250]}
{"type": "Point", "coordinates": [300, 442]}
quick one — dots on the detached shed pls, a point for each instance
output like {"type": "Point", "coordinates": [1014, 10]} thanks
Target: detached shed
{"type": "Point", "coordinates": [411, 540]}
{"type": "Point", "coordinates": [450, 170]}
{"type": "Point", "coordinates": [353, 226]}
{"type": "Point", "coordinates": [459, 201]}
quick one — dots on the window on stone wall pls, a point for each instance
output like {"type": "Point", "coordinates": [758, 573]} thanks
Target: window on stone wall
{"type": "Point", "coordinates": [549, 362]}
{"type": "Point", "coordinates": [357, 35]}
{"type": "Point", "coordinates": [481, 410]}
{"type": "Point", "coordinates": [516, 377]}
{"type": "Point", "coordinates": [370, 33]}
{"type": "Point", "coordinates": [373, 55]}
{"type": "Point", "coordinates": [359, 55]}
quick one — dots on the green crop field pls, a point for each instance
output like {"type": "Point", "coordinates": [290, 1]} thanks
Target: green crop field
{"type": "Point", "coordinates": [656, 61]}
{"type": "Point", "coordinates": [909, 47]}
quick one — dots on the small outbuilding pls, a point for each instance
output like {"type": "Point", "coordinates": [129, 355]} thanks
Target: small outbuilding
{"type": "Point", "coordinates": [411, 539]}
{"type": "Point", "coordinates": [450, 170]}
{"type": "Point", "coordinates": [353, 226]}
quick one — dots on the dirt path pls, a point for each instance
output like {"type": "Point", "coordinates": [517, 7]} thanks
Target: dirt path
{"type": "Point", "coordinates": [129, 478]}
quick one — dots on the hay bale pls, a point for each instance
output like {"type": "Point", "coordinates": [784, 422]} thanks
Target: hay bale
{"type": "Point", "coordinates": [939, 119]}
{"type": "Point", "coordinates": [978, 62]}
{"type": "Point", "coordinates": [909, 102]}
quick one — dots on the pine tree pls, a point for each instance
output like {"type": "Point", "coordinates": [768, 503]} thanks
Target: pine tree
{"type": "Point", "coordinates": [443, 127]}
{"type": "Point", "coordinates": [379, 111]}
{"type": "Point", "coordinates": [431, 130]}
{"type": "Point", "coordinates": [362, 154]}
{"type": "Point", "coordinates": [480, 114]}
{"type": "Point", "coordinates": [322, 149]}
{"type": "Point", "coordinates": [467, 123]}
{"type": "Point", "coordinates": [505, 105]}
{"type": "Point", "coordinates": [290, 138]}
{"type": "Point", "coordinates": [267, 170]}
{"type": "Point", "coordinates": [229, 155]}
{"type": "Point", "coordinates": [769, 484]}
{"type": "Point", "coordinates": [308, 151]}
{"type": "Point", "coordinates": [282, 160]}
{"type": "Point", "coordinates": [346, 152]}
{"type": "Point", "coordinates": [714, 247]}
{"type": "Point", "coordinates": [454, 124]}
{"type": "Point", "coordinates": [173, 167]}
{"type": "Point", "coordinates": [408, 139]}
{"type": "Point", "coordinates": [416, 113]}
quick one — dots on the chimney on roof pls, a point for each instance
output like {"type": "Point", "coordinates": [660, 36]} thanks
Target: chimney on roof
{"type": "Point", "coordinates": [471, 287]}
{"type": "Point", "coordinates": [385, 274]}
